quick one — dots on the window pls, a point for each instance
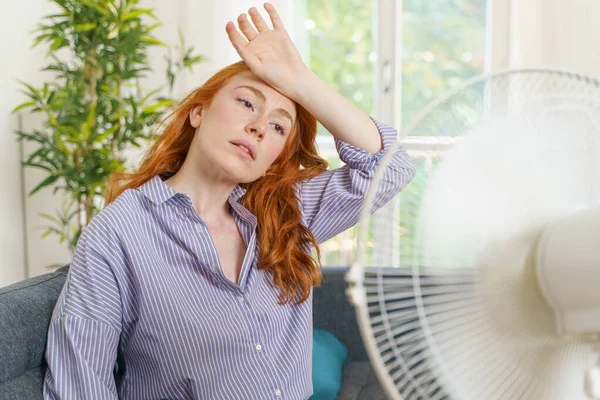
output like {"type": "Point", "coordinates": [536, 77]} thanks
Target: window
{"type": "Point", "coordinates": [391, 63]}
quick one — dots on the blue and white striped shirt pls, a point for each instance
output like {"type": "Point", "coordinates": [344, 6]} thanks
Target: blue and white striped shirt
{"type": "Point", "coordinates": [145, 279]}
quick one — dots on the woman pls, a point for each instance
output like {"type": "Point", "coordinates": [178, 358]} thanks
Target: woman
{"type": "Point", "coordinates": [199, 271]}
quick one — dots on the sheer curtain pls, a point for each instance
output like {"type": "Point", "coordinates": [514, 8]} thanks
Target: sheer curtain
{"type": "Point", "coordinates": [558, 33]}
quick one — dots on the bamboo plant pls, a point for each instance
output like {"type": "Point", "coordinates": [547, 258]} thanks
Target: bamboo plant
{"type": "Point", "coordinates": [94, 108]}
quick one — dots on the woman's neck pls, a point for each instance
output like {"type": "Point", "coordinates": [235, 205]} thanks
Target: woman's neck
{"type": "Point", "coordinates": [209, 195]}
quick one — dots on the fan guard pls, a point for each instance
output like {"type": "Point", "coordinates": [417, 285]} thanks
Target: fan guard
{"type": "Point", "coordinates": [455, 310]}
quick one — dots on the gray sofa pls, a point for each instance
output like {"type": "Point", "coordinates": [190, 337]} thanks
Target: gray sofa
{"type": "Point", "coordinates": [26, 308]}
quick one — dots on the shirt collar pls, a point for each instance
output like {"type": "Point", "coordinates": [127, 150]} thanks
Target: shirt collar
{"type": "Point", "coordinates": [158, 191]}
{"type": "Point", "coordinates": [237, 193]}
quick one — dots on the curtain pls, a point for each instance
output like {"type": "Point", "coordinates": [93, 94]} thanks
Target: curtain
{"type": "Point", "coordinates": [555, 33]}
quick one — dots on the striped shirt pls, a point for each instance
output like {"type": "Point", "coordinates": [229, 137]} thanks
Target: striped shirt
{"type": "Point", "coordinates": [145, 285]}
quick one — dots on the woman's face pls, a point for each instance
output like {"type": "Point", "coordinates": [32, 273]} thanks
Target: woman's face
{"type": "Point", "coordinates": [243, 130]}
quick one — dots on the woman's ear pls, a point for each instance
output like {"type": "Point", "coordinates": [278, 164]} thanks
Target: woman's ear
{"type": "Point", "coordinates": [196, 116]}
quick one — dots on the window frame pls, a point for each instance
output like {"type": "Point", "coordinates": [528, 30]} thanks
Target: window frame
{"type": "Point", "coordinates": [387, 36]}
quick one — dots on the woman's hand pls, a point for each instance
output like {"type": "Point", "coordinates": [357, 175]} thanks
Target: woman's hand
{"type": "Point", "coordinates": [270, 53]}
{"type": "Point", "coordinates": [273, 57]}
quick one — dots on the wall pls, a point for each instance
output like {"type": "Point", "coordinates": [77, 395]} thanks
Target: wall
{"type": "Point", "coordinates": [19, 62]}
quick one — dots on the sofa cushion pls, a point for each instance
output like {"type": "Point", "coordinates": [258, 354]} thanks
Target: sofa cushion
{"type": "Point", "coordinates": [359, 382]}
{"type": "Point", "coordinates": [328, 357]}
{"type": "Point", "coordinates": [28, 386]}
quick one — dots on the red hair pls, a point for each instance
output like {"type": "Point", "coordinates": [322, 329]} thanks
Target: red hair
{"type": "Point", "coordinates": [284, 242]}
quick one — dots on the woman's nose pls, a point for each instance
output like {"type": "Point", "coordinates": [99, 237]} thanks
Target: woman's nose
{"type": "Point", "coordinates": [257, 127]}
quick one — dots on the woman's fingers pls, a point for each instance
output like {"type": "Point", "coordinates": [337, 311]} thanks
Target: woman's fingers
{"type": "Point", "coordinates": [239, 43]}
{"type": "Point", "coordinates": [246, 27]}
{"type": "Point", "coordinates": [275, 20]}
{"type": "Point", "coordinates": [234, 36]}
{"type": "Point", "coordinates": [249, 30]}
{"type": "Point", "coordinates": [258, 20]}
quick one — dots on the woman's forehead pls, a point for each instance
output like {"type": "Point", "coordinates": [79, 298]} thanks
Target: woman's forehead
{"type": "Point", "coordinates": [247, 78]}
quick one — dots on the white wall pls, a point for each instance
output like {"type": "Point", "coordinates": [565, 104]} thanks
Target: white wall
{"type": "Point", "coordinates": [22, 252]}
{"type": "Point", "coordinates": [19, 61]}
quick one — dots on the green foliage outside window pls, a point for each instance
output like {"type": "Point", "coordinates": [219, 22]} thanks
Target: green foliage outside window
{"type": "Point", "coordinates": [443, 45]}
{"type": "Point", "coordinates": [341, 48]}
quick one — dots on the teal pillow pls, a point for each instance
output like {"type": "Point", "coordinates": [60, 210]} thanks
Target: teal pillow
{"type": "Point", "coordinates": [328, 357]}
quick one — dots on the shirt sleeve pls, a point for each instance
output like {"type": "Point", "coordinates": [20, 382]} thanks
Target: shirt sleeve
{"type": "Point", "coordinates": [85, 328]}
{"type": "Point", "coordinates": [332, 201]}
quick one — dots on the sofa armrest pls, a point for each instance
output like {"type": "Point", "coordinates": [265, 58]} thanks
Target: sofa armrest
{"type": "Point", "coordinates": [25, 311]}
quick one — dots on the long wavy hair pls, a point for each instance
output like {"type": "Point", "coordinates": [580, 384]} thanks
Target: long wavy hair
{"type": "Point", "coordinates": [284, 242]}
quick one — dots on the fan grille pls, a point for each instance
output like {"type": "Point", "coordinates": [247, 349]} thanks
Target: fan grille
{"type": "Point", "coordinates": [452, 318]}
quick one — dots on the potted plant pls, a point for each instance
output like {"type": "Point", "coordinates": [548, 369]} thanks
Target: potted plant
{"type": "Point", "coordinates": [95, 108]}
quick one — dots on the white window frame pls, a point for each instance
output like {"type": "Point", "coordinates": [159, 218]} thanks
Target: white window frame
{"type": "Point", "coordinates": [388, 80]}
{"type": "Point", "coordinates": [387, 88]}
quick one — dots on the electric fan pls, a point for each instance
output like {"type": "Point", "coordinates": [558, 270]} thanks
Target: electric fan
{"type": "Point", "coordinates": [481, 280]}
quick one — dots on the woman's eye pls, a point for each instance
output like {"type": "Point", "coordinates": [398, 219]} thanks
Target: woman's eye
{"type": "Point", "coordinates": [246, 103]}
{"type": "Point", "coordinates": [280, 129]}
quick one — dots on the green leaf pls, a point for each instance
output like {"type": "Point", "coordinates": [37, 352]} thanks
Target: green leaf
{"type": "Point", "coordinates": [33, 137]}
{"type": "Point", "coordinates": [53, 121]}
{"type": "Point", "coordinates": [181, 39]}
{"type": "Point", "coordinates": [41, 38]}
{"type": "Point", "coordinates": [24, 105]}
{"type": "Point", "coordinates": [153, 41]}
{"type": "Point", "coordinates": [54, 16]}
{"type": "Point", "coordinates": [93, 4]}
{"type": "Point", "coordinates": [32, 90]}
{"type": "Point", "coordinates": [112, 8]}
{"type": "Point", "coordinates": [40, 153]}
{"type": "Point", "coordinates": [157, 106]}
{"type": "Point", "coordinates": [144, 99]}
{"type": "Point", "coordinates": [49, 217]}
{"type": "Point", "coordinates": [85, 27]}
{"type": "Point", "coordinates": [37, 165]}
{"type": "Point", "coordinates": [100, 138]}
{"type": "Point", "coordinates": [49, 231]}
{"type": "Point", "coordinates": [46, 182]}
{"type": "Point", "coordinates": [153, 27]}
{"type": "Point", "coordinates": [57, 44]}
{"type": "Point", "coordinates": [189, 63]}
{"type": "Point", "coordinates": [136, 13]}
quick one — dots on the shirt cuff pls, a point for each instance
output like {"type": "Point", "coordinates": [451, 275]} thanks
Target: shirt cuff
{"type": "Point", "coordinates": [361, 159]}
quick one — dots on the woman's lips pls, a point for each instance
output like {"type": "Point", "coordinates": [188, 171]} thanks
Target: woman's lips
{"type": "Point", "coordinates": [242, 152]}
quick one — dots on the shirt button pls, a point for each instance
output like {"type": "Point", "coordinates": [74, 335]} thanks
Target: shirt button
{"type": "Point", "coordinates": [241, 300]}
{"type": "Point", "coordinates": [278, 393]}
{"type": "Point", "coordinates": [258, 347]}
